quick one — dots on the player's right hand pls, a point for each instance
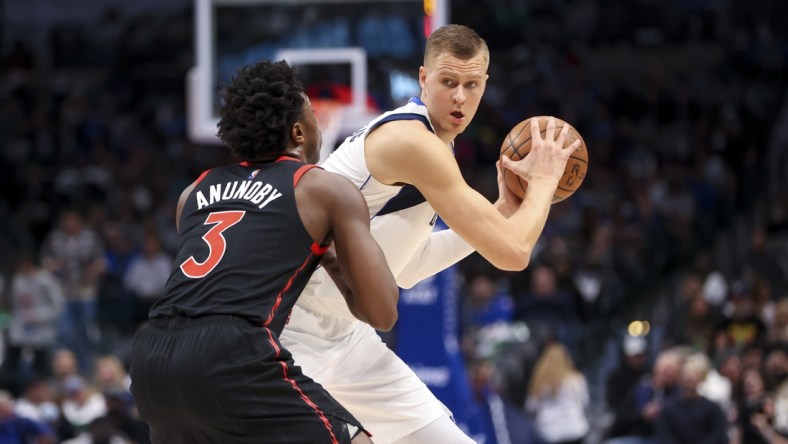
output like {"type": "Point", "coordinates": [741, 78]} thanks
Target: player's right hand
{"type": "Point", "coordinates": [547, 158]}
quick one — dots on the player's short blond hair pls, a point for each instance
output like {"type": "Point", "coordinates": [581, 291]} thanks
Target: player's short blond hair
{"type": "Point", "coordinates": [459, 41]}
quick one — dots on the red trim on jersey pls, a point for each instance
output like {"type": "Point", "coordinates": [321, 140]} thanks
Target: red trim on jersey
{"type": "Point", "coordinates": [309, 403]}
{"type": "Point", "coordinates": [273, 342]}
{"type": "Point", "coordinates": [244, 164]}
{"type": "Point", "coordinates": [319, 250]}
{"type": "Point", "coordinates": [287, 287]}
{"type": "Point", "coordinates": [300, 172]}
{"type": "Point", "coordinates": [301, 393]}
{"type": "Point", "coordinates": [202, 176]}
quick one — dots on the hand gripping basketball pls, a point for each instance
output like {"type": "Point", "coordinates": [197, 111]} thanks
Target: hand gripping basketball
{"type": "Point", "coordinates": [559, 153]}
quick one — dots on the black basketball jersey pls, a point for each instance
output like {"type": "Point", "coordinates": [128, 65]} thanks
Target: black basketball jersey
{"type": "Point", "coordinates": [243, 249]}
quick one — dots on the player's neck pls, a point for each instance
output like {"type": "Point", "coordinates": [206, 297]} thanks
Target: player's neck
{"type": "Point", "coordinates": [445, 136]}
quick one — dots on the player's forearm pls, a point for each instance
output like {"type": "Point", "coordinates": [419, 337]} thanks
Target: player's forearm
{"type": "Point", "coordinates": [367, 284]}
{"type": "Point", "coordinates": [334, 271]}
{"type": "Point", "coordinates": [503, 208]}
{"type": "Point", "coordinates": [527, 223]}
{"type": "Point", "coordinates": [506, 243]}
{"type": "Point", "coordinates": [443, 249]}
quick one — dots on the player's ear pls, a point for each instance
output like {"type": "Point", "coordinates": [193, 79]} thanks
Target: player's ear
{"type": "Point", "coordinates": [422, 76]}
{"type": "Point", "coordinates": [297, 133]}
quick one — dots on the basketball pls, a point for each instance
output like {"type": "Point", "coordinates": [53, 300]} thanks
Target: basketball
{"type": "Point", "coordinates": [517, 145]}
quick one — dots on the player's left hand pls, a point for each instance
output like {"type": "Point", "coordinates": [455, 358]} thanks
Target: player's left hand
{"type": "Point", "coordinates": [507, 202]}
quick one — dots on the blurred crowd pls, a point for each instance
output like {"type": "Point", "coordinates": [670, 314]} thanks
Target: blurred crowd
{"type": "Point", "coordinates": [664, 276]}
{"type": "Point", "coordinates": [681, 221]}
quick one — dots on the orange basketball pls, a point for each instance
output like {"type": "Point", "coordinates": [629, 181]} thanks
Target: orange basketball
{"type": "Point", "coordinates": [518, 144]}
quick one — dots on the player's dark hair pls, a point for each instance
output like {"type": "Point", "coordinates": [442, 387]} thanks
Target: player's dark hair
{"type": "Point", "coordinates": [259, 107]}
{"type": "Point", "coordinates": [459, 41]}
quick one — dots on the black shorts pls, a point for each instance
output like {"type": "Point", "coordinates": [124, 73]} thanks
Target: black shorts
{"type": "Point", "coordinates": [217, 379]}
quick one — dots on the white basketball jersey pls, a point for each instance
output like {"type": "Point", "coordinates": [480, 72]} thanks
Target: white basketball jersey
{"type": "Point", "coordinates": [401, 219]}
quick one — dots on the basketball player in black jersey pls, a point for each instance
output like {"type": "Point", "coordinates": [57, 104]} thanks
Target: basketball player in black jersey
{"type": "Point", "coordinates": [208, 367]}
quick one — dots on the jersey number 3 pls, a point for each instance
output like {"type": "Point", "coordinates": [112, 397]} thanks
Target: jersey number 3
{"type": "Point", "coordinates": [217, 244]}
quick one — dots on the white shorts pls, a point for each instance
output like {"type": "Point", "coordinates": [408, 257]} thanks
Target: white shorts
{"type": "Point", "coordinates": [351, 361]}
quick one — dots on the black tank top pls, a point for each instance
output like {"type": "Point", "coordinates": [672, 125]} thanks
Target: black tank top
{"type": "Point", "coordinates": [242, 249]}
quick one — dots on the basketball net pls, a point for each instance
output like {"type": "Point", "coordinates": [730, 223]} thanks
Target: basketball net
{"type": "Point", "coordinates": [329, 118]}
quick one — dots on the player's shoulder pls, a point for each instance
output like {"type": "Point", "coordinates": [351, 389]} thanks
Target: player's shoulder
{"type": "Point", "coordinates": [330, 190]}
{"type": "Point", "coordinates": [400, 135]}
{"type": "Point", "coordinates": [318, 180]}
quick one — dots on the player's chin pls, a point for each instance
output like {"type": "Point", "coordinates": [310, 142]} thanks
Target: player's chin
{"type": "Point", "coordinates": [459, 128]}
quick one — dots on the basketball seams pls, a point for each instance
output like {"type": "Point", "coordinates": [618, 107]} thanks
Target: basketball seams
{"type": "Point", "coordinates": [516, 149]}
{"type": "Point", "coordinates": [511, 144]}
{"type": "Point", "coordinates": [579, 159]}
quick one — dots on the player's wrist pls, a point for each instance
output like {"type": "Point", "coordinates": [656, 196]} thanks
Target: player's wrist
{"type": "Point", "coordinates": [546, 181]}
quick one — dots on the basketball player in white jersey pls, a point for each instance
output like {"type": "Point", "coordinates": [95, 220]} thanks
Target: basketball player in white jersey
{"type": "Point", "coordinates": [403, 163]}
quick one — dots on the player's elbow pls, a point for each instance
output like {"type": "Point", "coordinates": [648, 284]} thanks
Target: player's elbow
{"type": "Point", "coordinates": [385, 314]}
{"type": "Point", "coordinates": [377, 308]}
{"type": "Point", "coordinates": [386, 321]}
{"type": "Point", "coordinates": [517, 259]}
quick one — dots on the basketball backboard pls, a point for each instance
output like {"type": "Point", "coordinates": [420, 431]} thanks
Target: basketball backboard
{"type": "Point", "coordinates": [362, 54]}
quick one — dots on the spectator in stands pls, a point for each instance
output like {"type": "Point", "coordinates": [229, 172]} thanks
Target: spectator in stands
{"type": "Point", "coordinates": [19, 429]}
{"type": "Point", "coordinates": [693, 323]}
{"type": "Point", "coordinates": [64, 365]}
{"type": "Point", "coordinates": [718, 388]}
{"type": "Point", "coordinates": [690, 418]}
{"type": "Point", "coordinates": [39, 403]}
{"type": "Point", "coordinates": [780, 424]}
{"type": "Point", "coordinates": [36, 305]}
{"type": "Point", "coordinates": [82, 404]}
{"type": "Point", "coordinates": [546, 307]}
{"type": "Point", "coordinates": [100, 431]}
{"type": "Point", "coordinates": [621, 385]}
{"type": "Point", "coordinates": [742, 327]}
{"type": "Point", "coordinates": [731, 368]}
{"type": "Point", "coordinates": [110, 375]}
{"type": "Point", "coordinates": [775, 368]}
{"type": "Point", "coordinates": [557, 397]}
{"type": "Point", "coordinates": [778, 332]}
{"type": "Point", "coordinates": [764, 263]}
{"type": "Point", "coordinates": [651, 394]}
{"type": "Point", "coordinates": [115, 303]}
{"type": "Point", "coordinates": [74, 253]}
{"type": "Point", "coordinates": [121, 413]}
{"type": "Point", "coordinates": [764, 424]}
{"type": "Point", "coordinates": [147, 274]}
{"type": "Point", "coordinates": [753, 402]}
